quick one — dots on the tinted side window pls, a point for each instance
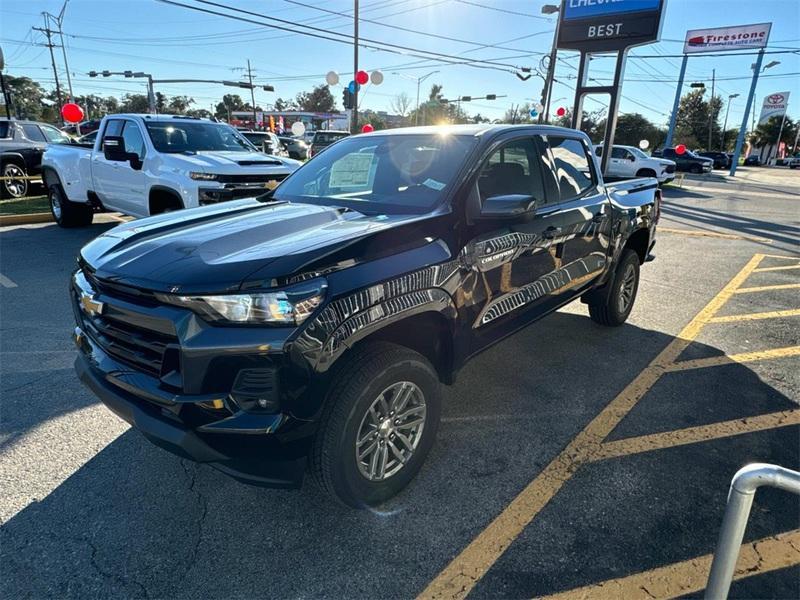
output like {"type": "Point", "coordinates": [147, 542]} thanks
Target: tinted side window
{"type": "Point", "coordinates": [572, 168]}
{"type": "Point", "coordinates": [134, 142]}
{"type": "Point", "coordinates": [54, 135]}
{"type": "Point", "coordinates": [5, 130]}
{"type": "Point", "coordinates": [618, 153]}
{"type": "Point", "coordinates": [512, 169]}
{"type": "Point", "coordinates": [113, 128]}
{"type": "Point", "coordinates": [32, 132]}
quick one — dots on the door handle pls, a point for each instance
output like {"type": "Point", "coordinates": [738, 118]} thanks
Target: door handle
{"type": "Point", "coordinates": [551, 232]}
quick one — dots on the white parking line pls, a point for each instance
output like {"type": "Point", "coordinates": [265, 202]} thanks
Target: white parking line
{"type": "Point", "coordinates": [6, 282]}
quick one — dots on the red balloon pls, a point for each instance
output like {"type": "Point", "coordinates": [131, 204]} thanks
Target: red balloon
{"type": "Point", "coordinates": [367, 128]}
{"type": "Point", "coordinates": [680, 149]}
{"type": "Point", "coordinates": [561, 111]}
{"type": "Point", "coordinates": [72, 113]}
{"type": "Point", "coordinates": [362, 77]}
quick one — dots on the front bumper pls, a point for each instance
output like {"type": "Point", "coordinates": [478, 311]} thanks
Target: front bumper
{"type": "Point", "coordinates": [249, 451]}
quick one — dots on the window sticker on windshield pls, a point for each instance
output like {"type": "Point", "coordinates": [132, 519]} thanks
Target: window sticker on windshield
{"type": "Point", "coordinates": [433, 184]}
{"type": "Point", "coordinates": [351, 170]}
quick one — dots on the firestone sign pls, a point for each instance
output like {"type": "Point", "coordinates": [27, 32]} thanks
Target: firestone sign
{"type": "Point", "coordinates": [607, 25]}
{"type": "Point", "coordinates": [741, 37]}
{"type": "Point", "coordinates": [774, 105]}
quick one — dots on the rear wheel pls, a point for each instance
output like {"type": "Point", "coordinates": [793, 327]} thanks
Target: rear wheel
{"type": "Point", "coordinates": [15, 183]}
{"type": "Point", "coordinates": [696, 169]}
{"type": "Point", "coordinates": [66, 213]}
{"type": "Point", "coordinates": [613, 307]}
{"type": "Point", "coordinates": [378, 426]}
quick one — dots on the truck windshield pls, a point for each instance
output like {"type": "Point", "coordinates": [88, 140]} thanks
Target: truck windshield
{"type": "Point", "coordinates": [196, 136]}
{"type": "Point", "coordinates": [391, 174]}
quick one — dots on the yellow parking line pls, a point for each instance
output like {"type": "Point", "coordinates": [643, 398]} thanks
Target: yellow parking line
{"type": "Point", "coordinates": [690, 576]}
{"type": "Point", "coordinates": [466, 570]}
{"type": "Point", "coordinates": [700, 433]}
{"type": "Point", "coordinates": [784, 268]}
{"type": "Point", "coordinates": [774, 314]}
{"type": "Point", "coordinates": [728, 359]}
{"type": "Point", "coordinates": [768, 288]}
{"type": "Point", "coordinates": [781, 256]}
{"type": "Point", "coordinates": [713, 234]}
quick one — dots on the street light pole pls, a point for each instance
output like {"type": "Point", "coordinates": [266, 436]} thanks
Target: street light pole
{"type": "Point", "coordinates": [354, 121]}
{"type": "Point", "coordinates": [725, 126]}
{"type": "Point", "coordinates": [547, 91]}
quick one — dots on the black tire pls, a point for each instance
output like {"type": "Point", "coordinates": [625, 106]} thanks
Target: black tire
{"type": "Point", "coordinates": [696, 169]}
{"type": "Point", "coordinates": [13, 188]}
{"type": "Point", "coordinates": [612, 308]}
{"type": "Point", "coordinates": [362, 380]}
{"type": "Point", "coordinates": [68, 214]}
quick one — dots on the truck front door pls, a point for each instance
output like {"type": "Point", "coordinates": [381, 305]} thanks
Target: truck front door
{"type": "Point", "coordinates": [118, 185]}
{"type": "Point", "coordinates": [514, 265]}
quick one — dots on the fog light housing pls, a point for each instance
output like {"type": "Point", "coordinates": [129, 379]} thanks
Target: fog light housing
{"type": "Point", "coordinates": [257, 390]}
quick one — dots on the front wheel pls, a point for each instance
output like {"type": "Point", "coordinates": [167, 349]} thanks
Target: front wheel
{"type": "Point", "coordinates": [66, 213]}
{"type": "Point", "coordinates": [612, 308]}
{"type": "Point", "coordinates": [696, 169]}
{"type": "Point", "coordinates": [378, 426]}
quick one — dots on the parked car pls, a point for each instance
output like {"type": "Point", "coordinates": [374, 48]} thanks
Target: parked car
{"type": "Point", "coordinates": [296, 148]}
{"type": "Point", "coordinates": [323, 139]}
{"type": "Point", "coordinates": [265, 141]}
{"type": "Point", "coordinates": [317, 324]}
{"type": "Point", "coordinates": [721, 159]}
{"type": "Point", "coordinates": [88, 139]}
{"type": "Point", "coordinates": [688, 161]}
{"type": "Point", "coordinates": [21, 146]}
{"type": "Point", "coordinates": [144, 165]}
{"type": "Point", "coordinates": [86, 127]}
{"type": "Point", "coordinates": [752, 161]}
{"type": "Point", "coordinates": [793, 162]}
{"type": "Point", "coordinates": [627, 162]}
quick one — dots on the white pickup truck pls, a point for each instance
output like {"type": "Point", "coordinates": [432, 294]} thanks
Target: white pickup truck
{"type": "Point", "coordinates": [627, 162]}
{"type": "Point", "coordinates": [143, 165]}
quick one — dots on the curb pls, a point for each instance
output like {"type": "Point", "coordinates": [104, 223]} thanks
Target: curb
{"type": "Point", "coordinates": [6, 220]}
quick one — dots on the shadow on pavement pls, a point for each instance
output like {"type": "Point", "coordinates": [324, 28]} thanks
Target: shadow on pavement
{"type": "Point", "coordinates": [138, 522]}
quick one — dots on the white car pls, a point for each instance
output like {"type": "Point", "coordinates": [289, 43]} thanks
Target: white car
{"type": "Point", "coordinates": [627, 162]}
{"type": "Point", "coordinates": [144, 165]}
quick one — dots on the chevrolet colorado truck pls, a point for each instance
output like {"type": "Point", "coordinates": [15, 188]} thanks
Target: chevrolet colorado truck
{"type": "Point", "coordinates": [143, 165]}
{"type": "Point", "coordinates": [313, 327]}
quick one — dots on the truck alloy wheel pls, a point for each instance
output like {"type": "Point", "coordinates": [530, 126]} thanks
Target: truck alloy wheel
{"type": "Point", "coordinates": [55, 205]}
{"type": "Point", "coordinates": [390, 431]}
{"type": "Point", "coordinates": [16, 186]}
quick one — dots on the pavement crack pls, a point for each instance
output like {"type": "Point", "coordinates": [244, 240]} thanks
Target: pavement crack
{"type": "Point", "coordinates": [110, 575]}
{"type": "Point", "coordinates": [646, 591]}
{"type": "Point", "coordinates": [202, 505]}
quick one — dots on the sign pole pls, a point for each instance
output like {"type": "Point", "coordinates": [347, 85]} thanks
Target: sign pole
{"type": "Point", "coordinates": [674, 116]}
{"type": "Point", "coordinates": [780, 133]}
{"type": "Point", "coordinates": [740, 138]}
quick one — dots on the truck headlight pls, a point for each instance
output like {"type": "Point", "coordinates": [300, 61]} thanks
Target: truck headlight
{"type": "Point", "coordinates": [203, 176]}
{"type": "Point", "coordinates": [290, 306]}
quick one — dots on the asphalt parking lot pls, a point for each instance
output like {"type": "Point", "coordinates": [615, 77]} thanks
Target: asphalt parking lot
{"type": "Point", "coordinates": [573, 460]}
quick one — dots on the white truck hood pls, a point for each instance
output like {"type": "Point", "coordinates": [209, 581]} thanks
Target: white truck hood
{"type": "Point", "coordinates": [231, 162]}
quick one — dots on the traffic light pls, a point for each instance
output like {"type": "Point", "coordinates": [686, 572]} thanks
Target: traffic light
{"type": "Point", "coordinates": [347, 98]}
{"type": "Point", "coordinates": [491, 96]}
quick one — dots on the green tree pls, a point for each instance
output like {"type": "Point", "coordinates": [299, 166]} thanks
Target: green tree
{"type": "Point", "coordinates": [26, 96]}
{"type": "Point", "coordinates": [632, 128]}
{"type": "Point", "coordinates": [179, 105]}
{"type": "Point", "coordinates": [230, 103]}
{"type": "Point", "coordinates": [695, 114]}
{"type": "Point", "coordinates": [319, 99]}
{"type": "Point", "coordinates": [134, 103]}
{"type": "Point", "coordinates": [766, 134]}
{"type": "Point", "coordinates": [436, 111]}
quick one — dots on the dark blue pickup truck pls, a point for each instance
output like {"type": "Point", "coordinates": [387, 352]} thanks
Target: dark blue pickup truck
{"type": "Point", "coordinates": [311, 328]}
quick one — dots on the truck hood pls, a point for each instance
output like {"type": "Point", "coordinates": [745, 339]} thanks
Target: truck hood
{"type": "Point", "coordinates": [233, 162]}
{"type": "Point", "coordinates": [222, 247]}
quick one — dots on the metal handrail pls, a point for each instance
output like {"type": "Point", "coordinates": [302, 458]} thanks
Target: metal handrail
{"type": "Point", "coordinates": [740, 499]}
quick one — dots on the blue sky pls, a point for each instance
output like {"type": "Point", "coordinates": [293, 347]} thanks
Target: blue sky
{"type": "Point", "coordinates": [173, 42]}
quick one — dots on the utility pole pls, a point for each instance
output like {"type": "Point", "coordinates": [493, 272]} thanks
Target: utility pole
{"type": "Point", "coordinates": [47, 31]}
{"type": "Point", "coordinates": [780, 132]}
{"type": "Point", "coordinates": [252, 93]}
{"type": "Point", "coordinates": [354, 121]}
{"type": "Point", "coordinates": [711, 118]}
{"type": "Point", "coordinates": [60, 19]}
{"type": "Point", "coordinates": [725, 126]}
{"type": "Point", "coordinates": [547, 90]}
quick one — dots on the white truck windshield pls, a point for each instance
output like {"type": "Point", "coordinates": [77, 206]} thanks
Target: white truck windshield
{"type": "Point", "coordinates": [196, 136]}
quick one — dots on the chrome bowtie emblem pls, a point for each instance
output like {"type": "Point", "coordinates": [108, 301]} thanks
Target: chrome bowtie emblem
{"type": "Point", "coordinates": [91, 306]}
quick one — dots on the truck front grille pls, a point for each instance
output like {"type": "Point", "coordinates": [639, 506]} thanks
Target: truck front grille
{"type": "Point", "coordinates": [258, 178]}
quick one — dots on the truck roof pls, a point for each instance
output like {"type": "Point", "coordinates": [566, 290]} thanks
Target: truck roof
{"type": "Point", "coordinates": [151, 117]}
{"type": "Point", "coordinates": [479, 129]}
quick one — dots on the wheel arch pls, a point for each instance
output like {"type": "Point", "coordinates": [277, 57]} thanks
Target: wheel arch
{"type": "Point", "coordinates": [161, 197]}
{"type": "Point", "coordinates": [638, 241]}
{"type": "Point", "coordinates": [13, 157]}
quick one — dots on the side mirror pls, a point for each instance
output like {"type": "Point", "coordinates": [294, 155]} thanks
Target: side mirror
{"type": "Point", "coordinates": [508, 206]}
{"type": "Point", "coordinates": [114, 150]}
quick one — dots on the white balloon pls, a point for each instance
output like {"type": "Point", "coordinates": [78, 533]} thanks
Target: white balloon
{"type": "Point", "coordinates": [298, 128]}
{"type": "Point", "coordinates": [377, 77]}
{"type": "Point", "coordinates": [538, 106]}
{"type": "Point", "coordinates": [644, 144]}
{"type": "Point", "coordinates": [332, 78]}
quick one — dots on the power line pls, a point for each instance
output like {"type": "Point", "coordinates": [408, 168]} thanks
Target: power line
{"type": "Point", "coordinates": [503, 10]}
